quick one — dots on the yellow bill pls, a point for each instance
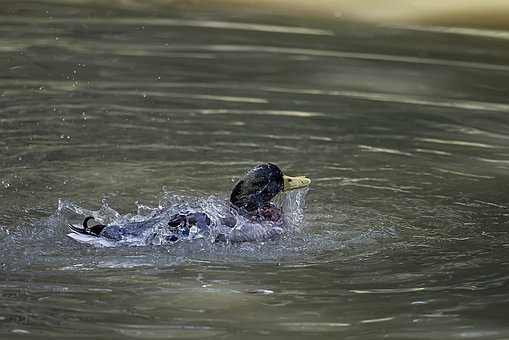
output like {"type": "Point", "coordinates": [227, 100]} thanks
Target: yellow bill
{"type": "Point", "coordinates": [292, 183]}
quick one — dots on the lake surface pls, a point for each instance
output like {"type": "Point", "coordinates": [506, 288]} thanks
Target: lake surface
{"type": "Point", "coordinates": [404, 133]}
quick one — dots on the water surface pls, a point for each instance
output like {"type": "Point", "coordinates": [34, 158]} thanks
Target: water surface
{"type": "Point", "coordinates": [403, 132]}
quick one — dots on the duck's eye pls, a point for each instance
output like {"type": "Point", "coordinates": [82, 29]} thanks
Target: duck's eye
{"type": "Point", "coordinates": [289, 179]}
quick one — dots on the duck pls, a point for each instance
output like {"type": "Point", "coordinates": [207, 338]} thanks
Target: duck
{"type": "Point", "coordinates": [249, 215]}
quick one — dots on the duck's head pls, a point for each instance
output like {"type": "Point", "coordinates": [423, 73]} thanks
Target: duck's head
{"type": "Point", "coordinates": [261, 184]}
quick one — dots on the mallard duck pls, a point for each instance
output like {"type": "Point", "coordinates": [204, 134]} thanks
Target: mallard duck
{"type": "Point", "coordinates": [249, 216]}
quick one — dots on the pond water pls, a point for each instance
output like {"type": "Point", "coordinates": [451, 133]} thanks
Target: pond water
{"type": "Point", "coordinates": [404, 133]}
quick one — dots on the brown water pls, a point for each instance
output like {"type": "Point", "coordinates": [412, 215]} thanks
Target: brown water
{"type": "Point", "coordinates": [404, 134]}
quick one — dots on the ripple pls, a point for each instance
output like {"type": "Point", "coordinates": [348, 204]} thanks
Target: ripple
{"type": "Point", "coordinates": [313, 326]}
{"type": "Point", "coordinates": [459, 173]}
{"type": "Point", "coordinates": [384, 150]}
{"type": "Point", "coordinates": [388, 290]}
{"type": "Point", "coordinates": [377, 187]}
{"type": "Point", "coordinates": [180, 95]}
{"type": "Point", "coordinates": [497, 34]}
{"type": "Point", "coordinates": [347, 55]}
{"type": "Point", "coordinates": [211, 24]}
{"type": "Point", "coordinates": [167, 51]}
{"type": "Point", "coordinates": [348, 180]}
{"type": "Point", "coordinates": [283, 113]}
{"type": "Point", "coordinates": [365, 95]}
{"type": "Point", "coordinates": [434, 152]}
{"type": "Point", "coordinates": [400, 98]}
{"type": "Point", "coordinates": [497, 161]}
{"type": "Point", "coordinates": [147, 331]}
{"type": "Point", "coordinates": [456, 142]}
{"type": "Point", "coordinates": [492, 204]}
{"type": "Point", "coordinates": [377, 320]}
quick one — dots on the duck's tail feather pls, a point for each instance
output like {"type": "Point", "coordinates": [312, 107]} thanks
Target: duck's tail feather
{"type": "Point", "coordinates": [87, 230]}
{"type": "Point", "coordinates": [77, 230]}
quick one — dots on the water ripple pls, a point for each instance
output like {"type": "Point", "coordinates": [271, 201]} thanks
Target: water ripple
{"type": "Point", "coordinates": [434, 152]}
{"type": "Point", "coordinates": [400, 98]}
{"type": "Point", "coordinates": [456, 142]}
{"type": "Point", "coordinates": [384, 150]}
{"type": "Point", "coordinates": [459, 173]}
{"type": "Point", "coordinates": [210, 24]}
{"type": "Point", "coordinates": [497, 34]}
{"type": "Point", "coordinates": [474, 105]}
{"type": "Point", "coordinates": [284, 113]}
{"type": "Point", "coordinates": [346, 55]}
{"type": "Point", "coordinates": [497, 161]}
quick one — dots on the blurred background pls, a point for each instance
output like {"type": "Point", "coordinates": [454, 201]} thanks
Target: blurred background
{"type": "Point", "coordinates": [488, 14]}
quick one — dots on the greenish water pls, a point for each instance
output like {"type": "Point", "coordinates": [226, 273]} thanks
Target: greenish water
{"type": "Point", "coordinates": [404, 134]}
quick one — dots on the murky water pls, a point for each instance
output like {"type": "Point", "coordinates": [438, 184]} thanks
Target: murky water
{"type": "Point", "coordinates": [403, 132]}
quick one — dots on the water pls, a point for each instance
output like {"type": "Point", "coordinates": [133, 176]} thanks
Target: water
{"type": "Point", "coordinates": [403, 132]}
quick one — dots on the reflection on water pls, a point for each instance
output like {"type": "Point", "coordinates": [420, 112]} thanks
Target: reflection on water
{"type": "Point", "coordinates": [403, 132]}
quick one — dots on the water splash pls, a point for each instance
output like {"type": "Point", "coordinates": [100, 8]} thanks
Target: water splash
{"type": "Point", "coordinates": [293, 204]}
{"type": "Point", "coordinates": [171, 204]}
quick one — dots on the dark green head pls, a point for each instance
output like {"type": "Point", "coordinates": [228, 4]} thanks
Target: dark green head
{"type": "Point", "coordinates": [261, 184]}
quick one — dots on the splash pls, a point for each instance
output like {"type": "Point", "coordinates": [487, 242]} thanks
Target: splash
{"type": "Point", "coordinates": [293, 206]}
{"type": "Point", "coordinates": [150, 224]}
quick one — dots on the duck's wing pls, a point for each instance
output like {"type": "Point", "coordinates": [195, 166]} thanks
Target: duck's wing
{"type": "Point", "coordinates": [77, 230]}
{"type": "Point", "coordinates": [254, 232]}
